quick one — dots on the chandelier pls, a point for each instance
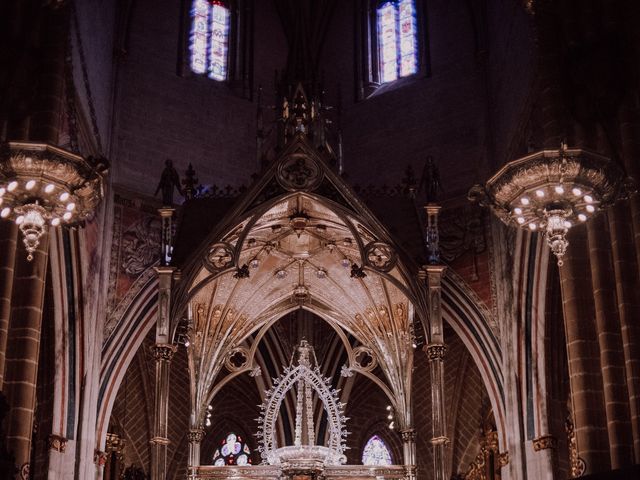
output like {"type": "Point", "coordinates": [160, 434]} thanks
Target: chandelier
{"type": "Point", "coordinates": [42, 185]}
{"type": "Point", "coordinates": [551, 191]}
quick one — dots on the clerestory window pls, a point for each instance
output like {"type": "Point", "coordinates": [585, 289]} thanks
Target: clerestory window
{"type": "Point", "coordinates": [209, 47]}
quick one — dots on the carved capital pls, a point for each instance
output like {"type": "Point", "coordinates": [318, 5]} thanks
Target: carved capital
{"type": "Point", "coordinates": [195, 435]}
{"type": "Point", "coordinates": [442, 440]}
{"type": "Point", "coordinates": [99, 458]}
{"type": "Point", "coordinates": [114, 443]}
{"type": "Point", "coordinates": [503, 459]}
{"type": "Point", "coordinates": [435, 351]}
{"type": "Point", "coordinates": [57, 443]}
{"type": "Point", "coordinates": [164, 351]}
{"type": "Point", "coordinates": [544, 442]}
{"type": "Point", "coordinates": [408, 435]}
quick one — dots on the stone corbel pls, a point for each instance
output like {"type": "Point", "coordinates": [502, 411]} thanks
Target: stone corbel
{"type": "Point", "coordinates": [57, 443]}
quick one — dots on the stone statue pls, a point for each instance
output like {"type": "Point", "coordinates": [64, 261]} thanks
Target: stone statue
{"type": "Point", "coordinates": [168, 181]}
{"type": "Point", "coordinates": [430, 180]}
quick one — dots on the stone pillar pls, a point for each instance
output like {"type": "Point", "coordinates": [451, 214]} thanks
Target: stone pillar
{"type": "Point", "coordinates": [195, 437]}
{"type": "Point", "coordinates": [439, 440]}
{"type": "Point", "coordinates": [610, 343]}
{"type": "Point", "coordinates": [23, 350]}
{"type": "Point", "coordinates": [436, 348]}
{"type": "Point", "coordinates": [8, 239]}
{"type": "Point", "coordinates": [163, 355]}
{"type": "Point", "coordinates": [585, 377]}
{"type": "Point", "coordinates": [627, 285]}
{"type": "Point", "coordinates": [409, 452]}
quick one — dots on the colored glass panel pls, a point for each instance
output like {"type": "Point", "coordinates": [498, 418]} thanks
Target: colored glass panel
{"type": "Point", "coordinates": [397, 39]}
{"type": "Point", "coordinates": [232, 451]}
{"type": "Point", "coordinates": [387, 42]}
{"type": "Point", "coordinates": [210, 38]}
{"type": "Point", "coordinates": [219, 42]}
{"type": "Point", "coordinates": [408, 38]}
{"type": "Point", "coordinates": [376, 452]}
{"type": "Point", "coordinates": [199, 35]}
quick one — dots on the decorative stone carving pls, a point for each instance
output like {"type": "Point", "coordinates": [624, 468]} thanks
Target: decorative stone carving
{"type": "Point", "coordinates": [380, 256]}
{"type": "Point", "coordinates": [299, 172]}
{"type": "Point", "coordinates": [195, 435]}
{"type": "Point", "coordinates": [577, 467]}
{"type": "Point", "coordinates": [408, 435]}
{"type": "Point", "coordinates": [57, 443]}
{"type": "Point", "coordinates": [364, 359]}
{"type": "Point", "coordinates": [503, 459]}
{"type": "Point", "coordinates": [219, 257]}
{"type": "Point", "coordinates": [544, 442]}
{"type": "Point", "coordinates": [164, 351]}
{"type": "Point", "coordinates": [99, 458]}
{"type": "Point", "coordinates": [237, 359]}
{"type": "Point", "coordinates": [435, 351]}
{"type": "Point", "coordinates": [140, 245]}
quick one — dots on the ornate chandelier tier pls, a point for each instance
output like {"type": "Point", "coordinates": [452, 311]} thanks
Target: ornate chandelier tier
{"type": "Point", "coordinates": [551, 191]}
{"type": "Point", "coordinates": [42, 185]}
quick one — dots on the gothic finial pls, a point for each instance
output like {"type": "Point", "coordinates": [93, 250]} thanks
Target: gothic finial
{"type": "Point", "coordinates": [190, 183]}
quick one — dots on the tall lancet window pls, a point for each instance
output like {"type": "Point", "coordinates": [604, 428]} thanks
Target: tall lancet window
{"type": "Point", "coordinates": [232, 451]}
{"type": "Point", "coordinates": [210, 21]}
{"type": "Point", "coordinates": [376, 452]}
{"type": "Point", "coordinates": [397, 39]}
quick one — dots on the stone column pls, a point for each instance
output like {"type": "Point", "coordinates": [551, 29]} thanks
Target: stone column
{"type": "Point", "coordinates": [436, 348]}
{"type": "Point", "coordinates": [585, 377]}
{"type": "Point", "coordinates": [610, 342]}
{"type": "Point", "coordinates": [8, 239]}
{"type": "Point", "coordinates": [435, 353]}
{"type": "Point", "coordinates": [23, 350]}
{"type": "Point", "coordinates": [195, 437]}
{"type": "Point", "coordinates": [163, 355]}
{"type": "Point", "coordinates": [409, 452]}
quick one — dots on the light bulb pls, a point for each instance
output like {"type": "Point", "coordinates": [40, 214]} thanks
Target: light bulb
{"type": "Point", "coordinates": [524, 201]}
{"type": "Point", "coordinates": [588, 198]}
{"type": "Point", "coordinates": [539, 193]}
{"type": "Point", "coordinates": [71, 207]}
{"type": "Point", "coordinates": [2, 191]}
{"type": "Point", "coordinates": [559, 189]}
{"type": "Point", "coordinates": [49, 188]}
{"type": "Point", "coordinates": [187, 343]}
{"type": "Point", "coordinates": [521, 220]}
{"type": "Point", "coordinates": [20, 219]}
{"type": "Point", "coordinates": [582, 217]}
{"type": "Point", "coordinates": [12, 186]}
{"type": "Point", "coordinates": [67, 215]}
{"type": "Point", "coordinates": [30, 184]}
{"type": "Point", "coordinates": [532, 226]}
{"type": "Point", "coordinates": [517, 211]}
{"type": "Point", "coordinates": [576, 191]}
{"type": "Point", "coordinates": [5, 212]}
{"type": "Point", "coordinates": [55, 222]}
{"type": "Point", "coordinates": [64, 196]}
{"type": "Point", "coordinates": [590, 208]}
{"type": "Point", "coordinates": [567, 223]}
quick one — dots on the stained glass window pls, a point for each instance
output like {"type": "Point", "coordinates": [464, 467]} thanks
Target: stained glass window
{"type": "Point", "coordinates": [397, 39]}
{"type": "Point", "coordinates": [376, 452]}
{"type": "Point", "coordinates": [210, 38]}
{"type": "Point", "coordinates": [232, 451]}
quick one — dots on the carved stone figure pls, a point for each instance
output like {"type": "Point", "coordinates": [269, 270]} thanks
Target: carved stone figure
{"type": "Point", "coordinates": [430, 180]}
{"type": "Point", "coordinates": [168, 181]}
